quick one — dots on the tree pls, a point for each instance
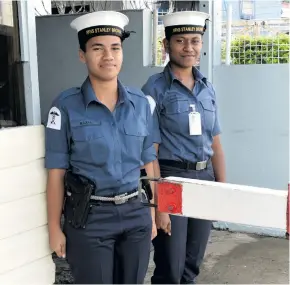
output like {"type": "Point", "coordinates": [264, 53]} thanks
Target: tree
{"type": "Point", "coordinates": [176, 5]}
{"type": "Point", "coordinates": [186, 5]}
{"type": "Point", "coordinates": [72, 7]}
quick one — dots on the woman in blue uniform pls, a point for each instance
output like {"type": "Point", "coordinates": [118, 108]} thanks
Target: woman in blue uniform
{"type": "Point", "coordinates": [185, 108]}
{"type": "Point", "coordinates": [97, 139]}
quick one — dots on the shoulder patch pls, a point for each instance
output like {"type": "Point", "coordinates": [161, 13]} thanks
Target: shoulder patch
{"type": "Point", "coordinates": [54, 119]}
{"type": "Point", "coordinates": [152, 103]}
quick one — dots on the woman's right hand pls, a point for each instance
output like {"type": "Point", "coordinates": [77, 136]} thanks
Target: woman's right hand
{"type": "Point", "coordinates": [163, 222]}
{"type": "Point", "coordinates": [57, 242]}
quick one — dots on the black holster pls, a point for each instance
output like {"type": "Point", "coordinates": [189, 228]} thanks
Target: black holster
{"type": "Point", "coordinates": [78, 191]}
{"type": "Point", "coordinates": [146, 186]}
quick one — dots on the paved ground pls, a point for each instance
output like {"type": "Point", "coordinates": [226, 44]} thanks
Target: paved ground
{"type": "Point", "coordinates": [231, 258]}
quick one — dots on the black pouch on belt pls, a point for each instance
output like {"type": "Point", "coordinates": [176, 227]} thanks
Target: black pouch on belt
{"type": "Point", "coordinates": [77, 204]}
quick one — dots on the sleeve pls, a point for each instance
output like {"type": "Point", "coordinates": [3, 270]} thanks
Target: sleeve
{"type": "Point", "coordinates": [217, 127]}
{"type": "Point", "coordinates": [57, 138]}
{"type": "Point", "coordinates": [155, 129]}
{"type": "Point", "coordinates": [149, 151]}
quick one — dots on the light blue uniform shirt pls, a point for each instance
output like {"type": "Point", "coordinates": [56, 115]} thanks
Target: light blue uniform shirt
{"type": "Point", "coordinates": [171, 116]}
{"type": "Point", "coordinates": [108, 147]}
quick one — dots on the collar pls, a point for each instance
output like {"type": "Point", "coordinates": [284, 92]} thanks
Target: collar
{"type": "Point", "coordinates": [170, 77]}
{"type": "Point", "coordinates": [89, 94]}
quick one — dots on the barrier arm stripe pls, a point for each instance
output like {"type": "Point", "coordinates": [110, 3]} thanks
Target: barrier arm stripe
{"type": "Point", "coordinates": [254, 206]}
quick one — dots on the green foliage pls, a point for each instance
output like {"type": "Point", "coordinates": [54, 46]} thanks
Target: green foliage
{"type": "Point", "coordinates": [159, 51]}
{"type": "Point", "coordinates": [259, 50]}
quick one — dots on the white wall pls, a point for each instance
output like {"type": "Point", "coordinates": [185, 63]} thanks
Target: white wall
{"type": "Point", "coordinates": [254, 113]}
{"type": "Point", "coordinates": [6, 13]}
{"type": "Point", "coordinates": [25, 255]}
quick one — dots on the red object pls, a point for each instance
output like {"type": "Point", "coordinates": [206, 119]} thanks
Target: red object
{"type": "Point", "coordinates": [288, 213]}
{"type": "Point", "coordinates": [169, 197]}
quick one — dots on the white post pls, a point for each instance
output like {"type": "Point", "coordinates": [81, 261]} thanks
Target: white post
{"type": "Point", "coordinates": [206, 62]}
{"type": "Point", "coordinates": [155, 36]}
{"type": "Point", "coordinates": [229, 33]}
{"type": "Point", "coordinates": [216, 34]}
{"type": "Point", "coordinates": [28, 47]}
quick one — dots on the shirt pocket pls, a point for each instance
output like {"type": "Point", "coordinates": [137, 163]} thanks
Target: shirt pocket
{"type": "Point", "coordinates": [208, 108]}
{"type": "Point", "coordinates": [175, 104]}
{"type": "Point", "coordinates": [134, 136]}
{"type": "Point", "coordinates": [89, 144]}
{"type": "Point", "coordinates": [87, 133]}
{"type": "Point", "coordinates": [175, 113]}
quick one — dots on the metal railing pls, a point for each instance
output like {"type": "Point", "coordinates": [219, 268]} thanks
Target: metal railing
{"type": "Point", "coordinates": [256, 42]}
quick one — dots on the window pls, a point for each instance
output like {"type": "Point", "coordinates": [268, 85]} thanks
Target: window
{"type": "Point", "coordinates": [12, 104]}
{"type": "Point", "coordinates": [247, 9]}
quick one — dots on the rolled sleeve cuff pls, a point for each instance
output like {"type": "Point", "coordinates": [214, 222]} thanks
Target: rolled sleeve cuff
{"type": "Point", "coordinates": [157, 138]}
{"type": "Point", "coordinates": [56, 160]}
{"type": "Point", "coordinates": [216, 132]}
{"type": "Point", "coordinates": [149, 154]}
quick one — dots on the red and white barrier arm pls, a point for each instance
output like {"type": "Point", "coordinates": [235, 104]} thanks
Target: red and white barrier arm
{"type": "Point", "coordinates": [224, 202]}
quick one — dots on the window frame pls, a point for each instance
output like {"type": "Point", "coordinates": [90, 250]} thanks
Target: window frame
{"type": "Point", "coordinates": [244, 15]}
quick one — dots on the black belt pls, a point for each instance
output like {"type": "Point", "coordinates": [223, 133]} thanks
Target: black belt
{"type": "Point", "coordinates": [187, 165]}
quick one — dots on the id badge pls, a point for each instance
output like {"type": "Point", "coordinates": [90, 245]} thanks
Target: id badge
{"type": "Point", "coordinates": [194, 123]}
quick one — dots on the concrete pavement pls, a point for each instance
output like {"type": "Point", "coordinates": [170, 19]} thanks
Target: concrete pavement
{"type": "Point", "coordinates": [237, 258]}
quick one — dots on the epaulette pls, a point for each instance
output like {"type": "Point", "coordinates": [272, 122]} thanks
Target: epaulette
{"type": "Point", "coordinates": [135, 91]}
{"type": "Point", "coordinates": [153, 78]}
{"type": "Point", "coordinates": [206, 82]}
{"type": "Point", "coordinates": [68, 92]}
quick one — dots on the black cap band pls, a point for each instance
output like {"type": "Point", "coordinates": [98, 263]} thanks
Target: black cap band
{"type": "Point", "coordinates": [88, 33]}
{"type": "Point", "coordinates": [184, 29]}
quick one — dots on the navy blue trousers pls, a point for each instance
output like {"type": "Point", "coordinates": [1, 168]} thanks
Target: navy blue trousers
{"type": "Point", "coordinates": [178, 257]}
{"type": "Point", "coordinates": [114, 248]}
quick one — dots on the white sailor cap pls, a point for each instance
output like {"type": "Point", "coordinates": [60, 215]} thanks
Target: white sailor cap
{"type": "Point", "coordinates": [185, 22]}
{"type": "Point", "coordinates": [100, 23]}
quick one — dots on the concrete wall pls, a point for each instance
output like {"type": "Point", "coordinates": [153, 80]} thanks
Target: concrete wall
{"type": "Point", "coordinates": [60, 68]}
{"type": "Point", "coordinates": [254, 113]}
{"type": "Point", "coordinates": [25, 254]}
